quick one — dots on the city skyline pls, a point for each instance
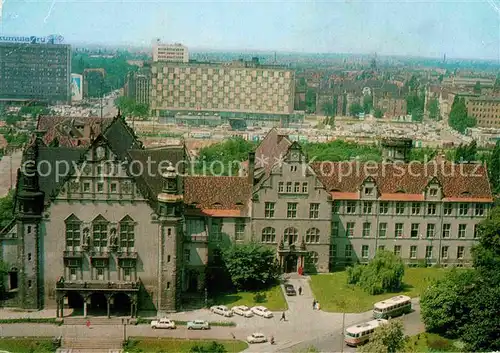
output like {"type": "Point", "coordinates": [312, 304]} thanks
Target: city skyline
{"type": "Point", "coordinates": [459, 29]}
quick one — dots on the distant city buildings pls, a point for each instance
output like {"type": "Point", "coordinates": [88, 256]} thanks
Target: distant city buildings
{"type": "Point", "coordinates": [138, 85]}
{"type": "Point", "coordinates": [170, 52]}
{"type": "Point", "coordinates": [485, 109]}
{"type": "Point", "coordinates": [39, 72]}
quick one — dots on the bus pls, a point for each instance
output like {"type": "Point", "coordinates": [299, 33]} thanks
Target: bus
{"type": "Point", "coordinates": [359, 334]}
{"type": "Point", "coordinates": [392, 307]}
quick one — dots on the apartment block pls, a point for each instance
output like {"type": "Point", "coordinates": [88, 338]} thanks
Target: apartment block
{"type": "Point", "coordinates": [170, 52]}
{"type": "Point", "coordinates": [485, 109]}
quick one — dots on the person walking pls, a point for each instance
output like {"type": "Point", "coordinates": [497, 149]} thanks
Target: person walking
{"type": "Point", "coordinates": [300, 290]}
{"type": "Point", "coordinates": [283, 317]}
{"type": "Point", "coordinates": [314, 304]}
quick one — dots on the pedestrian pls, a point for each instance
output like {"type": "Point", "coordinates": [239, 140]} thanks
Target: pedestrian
{"type": "Point", "coordinates": [283, 318]}
{"type": "Point", "coordinates": [88, 323]}
{"type": "Point", "coordinates": [300, 290]}
{"type": "Point", "coordinates": [317, 306]}
{"type": "Point", "coordinates": [314, 304]}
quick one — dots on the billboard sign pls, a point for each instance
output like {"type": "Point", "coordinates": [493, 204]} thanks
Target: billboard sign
{"type": "Point", "coordinates": [76, 87]}
{"type": "Point", "coordinates": [51, 39]}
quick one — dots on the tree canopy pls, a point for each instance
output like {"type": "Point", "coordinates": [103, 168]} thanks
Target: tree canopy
{"type": "Point", "coordinates": [387, 338]}
{"type": "Point", "coordinates": [494, 168]}
{"type": "Point", "coordinates": [382, 274]}
{"type": "Point", "coordinates": [355, 109]}
{"type": "Point", "coordinates": [213, 347]}
{"type": "Point", "coordinates": [459, 119]}
{"type": "Point", "coordinates": [378, 113]}
{"type": "Point", "coordinates": [433, 108]}
{"type": "Point", "coordinates": [466, 153]}
{"type": "Point", "coordinates": [251, 266]}
{"type": "Point", "coordinates": [129, 107]}
{"type": "Point", "coordinates": [6, 209]}
{"type": "Point", "coordinates": [223, 158]}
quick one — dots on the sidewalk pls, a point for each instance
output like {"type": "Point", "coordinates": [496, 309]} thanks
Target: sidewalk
{"type": "Point", "coordinates": [14, 313]}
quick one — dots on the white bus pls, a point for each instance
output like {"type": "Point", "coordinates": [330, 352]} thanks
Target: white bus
{"type": "Point", "coordinates": [392, 307]}
{"type": "Point", "coordinates": [359, 334]}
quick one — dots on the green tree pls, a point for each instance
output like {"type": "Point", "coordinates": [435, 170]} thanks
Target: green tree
{"type": "Point", "coordinates": [6, 209]}
{"type": "Point", "coordinates": [494, 168]}
{"type": "Point", "coordinates": [458, 119]}
{"type": "Point", "coordinates": [224, 158]}
{"type": "Point", "coordinates": [355, 109]}
{"type": "Point", "coordinates": [213, 347]}
{"type": "Point", "coordinates": [417, 115]}
{"type": "Point", "coordinates": [486, 254]}
{"type": "Point", "coordinates": [379, 114]}
{"type": "Point", "coordinates": [328, 109]}
{"type": "Point", "coordinates": [382, 274]}
{"type": "Point", "coordinates": [251, 266]}
{"type": "Point", "coordinates": [442, 304]}
{"type": "Point", "coordinates": [311, 100]}
{"type": "Point", "coordinates": [477, 87]}
{"type": "Point", "coordinates": [367, 103]}
{"type": "Point", "coordinates": [387, 338]}
{"type": "Point", "coordinates": [466, 153]}
{"type": "Point", "coordinates": [434, 111]}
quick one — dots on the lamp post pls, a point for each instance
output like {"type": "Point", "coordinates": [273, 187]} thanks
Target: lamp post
{"type": "Point", "coordinates": [342, 305]}
{"type": "Point", "coordinates": [125, 322]}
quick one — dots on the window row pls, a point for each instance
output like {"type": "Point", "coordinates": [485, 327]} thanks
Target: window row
{"type": "Point", "coordinates": [293, 187]}
{"type": "Point", "coordinates": [291, 236]}
{"type": "Point", "coordinates": [417, 230]}
{"type": "Point", "coordinates": [405, 208]}
{"type": "Point", "coordinates": [291, 211]}
{"type": "Point", "coordinates": [100, 234]}
{"type": "Point", "coordinates": [100, 270]}
{"type": "Point", "coordinates": [412, 252]}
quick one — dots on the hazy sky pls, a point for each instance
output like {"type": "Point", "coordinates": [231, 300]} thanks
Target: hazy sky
{"type": "Point", "coordinates": [463, 29]}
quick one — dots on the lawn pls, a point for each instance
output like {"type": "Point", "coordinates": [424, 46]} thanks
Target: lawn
{"type": "Point", "coordinates": [430, 342]}
{"type": "Point", "coordinates": [178, 345]}
{"type": "Point", "coordinates": [27, 345]}
{"type": "Point", "coordinates": [331, 290]}
{"type": "Point", "coordinates": [272, 299]}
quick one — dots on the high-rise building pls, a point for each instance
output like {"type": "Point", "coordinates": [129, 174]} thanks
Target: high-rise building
{"type": "Point", "coordinates": [244, 87]}
{"type": "Point", "coordinates": [40, 72]}
{"type": "Point", "coordinates": [137, 85]}
{"type": "Point", "coordinates": [170, 52]}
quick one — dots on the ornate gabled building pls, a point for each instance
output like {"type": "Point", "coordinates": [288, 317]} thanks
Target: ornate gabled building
{"type": "Point", "coordinates": [112, 228]}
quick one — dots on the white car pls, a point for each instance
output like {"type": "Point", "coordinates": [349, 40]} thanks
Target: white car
{"type": "Point", "coordinates": [256, 338]}
{"type": "Point", "coordinates": [221, 310]}
{"type": "Point", "coordinates": [163, 323]}
{"type": "Point", "coordinates": [262, 311]}
{"type": "Point", "coordinates": [242, 310]}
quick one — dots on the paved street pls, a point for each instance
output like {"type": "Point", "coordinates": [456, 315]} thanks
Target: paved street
{"type": "Point", "coordinates": [8, 171]}
{"type": "Point", "coordinates": [303, 326]}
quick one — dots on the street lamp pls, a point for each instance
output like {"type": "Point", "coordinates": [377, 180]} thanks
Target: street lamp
{"type": "Point", "coordinates": [125, 322]}
{"type": "Point", "coordinates": [342, 304]}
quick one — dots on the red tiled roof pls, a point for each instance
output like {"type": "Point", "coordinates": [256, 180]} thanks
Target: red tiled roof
{"type": "Point", "coordinates": [271, 149]}
{"type": "Point", "coordinates": [218, 194]}
{"type": "Point", "coordinates": [457, 180]}
{"type": "Point", "coordinates": [338, 195]}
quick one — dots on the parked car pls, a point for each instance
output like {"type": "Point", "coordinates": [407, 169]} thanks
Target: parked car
{"type": "Point", "coordinates": [163, 323]}
{"type": "Point", "coordinates": [256, 338]}
{"type": "Point", "coordinates": [242, 310]}
{"type": "Point", "coordinates": [222, 310]}
{"type": "Point", "coordinates": [198, 325]}
{"type": "Point", "coordinates": [289, 290]}
{"type": "Point", "coordinates": [262, 311]}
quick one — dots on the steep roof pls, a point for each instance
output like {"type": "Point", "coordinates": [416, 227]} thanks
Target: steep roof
{"type": "Point", "coordinates": [218, 196]}
{"type": "Point", "coordinates": [271, 150]}
{"type": "Point", "coordinates": [401, 181]}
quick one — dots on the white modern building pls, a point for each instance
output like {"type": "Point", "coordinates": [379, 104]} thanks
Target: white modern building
{"type": "Point", "coordinates": [170, 52]}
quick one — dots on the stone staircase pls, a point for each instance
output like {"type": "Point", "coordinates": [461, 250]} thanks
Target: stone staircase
{"type": "Point", "coordinates": [91, 345]}
{"type": "Point", "coordinates": [94, 320]}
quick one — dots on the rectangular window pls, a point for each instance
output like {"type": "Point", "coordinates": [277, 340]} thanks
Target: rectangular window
{"type": "Point", "coordinates": [384, 207]}
{"type": "Point", "coordinates": [398, 230]}
{"type": "Point", "coordinates": [187, 255]}
{"type": "Point", "coordinates": [335, 229]}
{"type": "Point", "coordinates": [414, 230]}
{"type": "Point", "coordinates": [366, 229]}
{"type": "Point", "coordinates": [296, 187]}
{"type": "Point", "coordinates": [367, 207]}
{"type": "Point", "coordinates": [86, 187]}
{"type": "Point", "coordinates": [415, 208]}
{"type": "Point", "coordinates": [289, 186]}
{"type": "Point", "coordinates": [72, 234]}
{"type": "Point", "coordinates": [479, 209]}
{"type": "Point", "coordinates": [113, 187]}
{"type": "Point", "coordinates": [381, 247]}
{"type": "Point", "coordinates": [446, 230]}
{"type": "Point", "coordinates": [269, 210]}
{"type": "Point", "coordinates": [413, 252]}
{"type": "Point", "coordinates": [382, 230]}
{"type": "Point", "coordinates": [348, 250]}
{"type": "Point", "coordinates": [461, 230]}
{"type": "Point", "coordinates": [100, 273]}
{"type": "Point", "coordinates": [476, 229]}
{"type": "Point", "coordinates": [400, 208]}
{"type": "Point", "coordinates": [431, 230]}
{"type": "Point", "coordinates": [397, 250]}
{"type": "Point", "coordinates": [364, 251]}
{"type": "Point", "coordinates": [428, 252]}
{"type": "Point", "coordinates": [349, 229]}
{"type": "Point", "coordinates": [100, 235]}
{"type": "Point", "coordinates": [305, 187]}
{"type": "Point", "coordinates": [460, 252]}
{"type": "Point", "coordinates": [368, 191]}
{"type": "Point", "coordinates": [433, 192]}
{"type": "Point", "coordinates": [127, 235]}
{"type": "Point", "coordinates": [350, 207]}
{"type": "Point", "coordinates": [281, 187]}
{"type": "Point", "coordinates": [100, 187]}
{"type": "Point", "coordinates": [431, 209]}
{"type": "Point", "coordinates": [336, 207]}
{"type": "Point", "coordinates": [216, 229]}
{"type": "Point", "coordinates": [447, 209]}
{"type": "Point", "coordinates": [239, 230]}
{"type": "Point", "coordinates": [291, 210]}
{"type": "Point", "coordinates": [463, 209]}
{"type": "Point", "coordinates": [444, 252]}
{"type": "Point", "coordinates": [127, 274]}
{"type": "Point", "coordinates": [333, 251]}
{"type": "Point", "coordinates": [314, 210]}
{"type": "Point", "coordinates": [73, 274]}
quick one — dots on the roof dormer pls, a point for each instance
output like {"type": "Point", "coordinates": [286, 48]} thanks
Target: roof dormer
{"type": "Point", "coordinates": [433, 190]}
{"type": "Point", "coordinates": [368, 189]}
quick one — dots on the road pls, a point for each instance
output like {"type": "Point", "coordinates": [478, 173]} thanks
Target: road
{"type": "Point", "coordinates": [8, 171]}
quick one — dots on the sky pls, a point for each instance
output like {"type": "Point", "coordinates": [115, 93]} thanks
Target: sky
{"type": "Point", "coordinates": [429, 28]}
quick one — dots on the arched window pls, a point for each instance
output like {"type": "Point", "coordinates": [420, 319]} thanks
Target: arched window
{"type": "Point", "coordinates": [73, 226]}
{"type": "Point", "coordinates": [269, 235]}
{"type": "Point", "coordinates": [312, 235]}
{"type": "Point", "coordinates": [314, 257]}
{"type": "Point", "coordinates": [127, 236]}
{"type": "Point", "coordinates": [100, 232]}
{"type": "Point", "coordinates": [291, 236]}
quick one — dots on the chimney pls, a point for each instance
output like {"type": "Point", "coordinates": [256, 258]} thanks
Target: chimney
{"type": "Point", "coordinates": [251, 167]}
